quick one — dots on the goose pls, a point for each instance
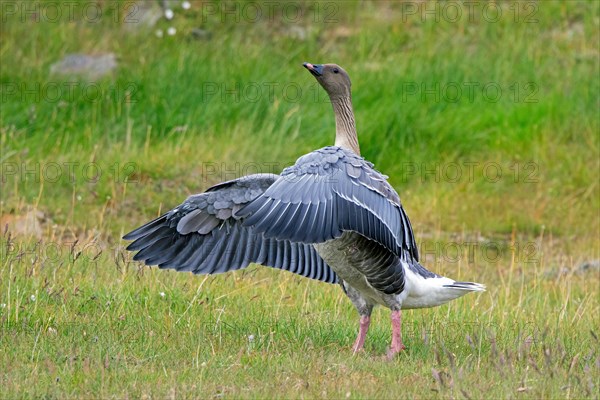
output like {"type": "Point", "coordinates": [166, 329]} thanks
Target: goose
{"type": "Point", "coordinates": [331, 217]}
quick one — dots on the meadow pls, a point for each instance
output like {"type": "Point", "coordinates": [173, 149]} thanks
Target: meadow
{"type": "Point", "coordinates": [485, 117]}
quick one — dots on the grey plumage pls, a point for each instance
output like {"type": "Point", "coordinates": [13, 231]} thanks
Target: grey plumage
{"type": "Point", "coordinates": [327, 192]}
{"type": "Point", "coordinates": [204, 236]}
{"type": "Point", "coordinates": [331, 216]}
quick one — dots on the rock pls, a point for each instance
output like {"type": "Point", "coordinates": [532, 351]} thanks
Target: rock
{"type": "Point", "coordinates": [201, 34]}
{"type": "Point", "coordinates": [85, 66]}
{"type": "Point", "coordinates": [147, 16]}
{"type": "Point", "coordinates": [583, 268]}
{"type": "Point", "coordinates": [28, 224]}
{"type": "Point", "coordinates": [589, 266]}
{"type": "Point", "coordinates": [556, 272]}
{"type": "Point", "coordinates": [297, 32]}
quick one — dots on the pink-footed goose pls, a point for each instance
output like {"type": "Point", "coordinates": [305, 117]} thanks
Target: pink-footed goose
{"type": "Point", "coordinates": [330, 217]}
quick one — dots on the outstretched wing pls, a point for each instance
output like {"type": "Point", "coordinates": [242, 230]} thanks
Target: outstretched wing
{"type": "Point", "coordinates": [204, 236]}
{"type": "Point", "coordinates": [329, 191]}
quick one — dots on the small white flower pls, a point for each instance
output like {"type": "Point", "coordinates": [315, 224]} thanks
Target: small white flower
{"type": "Point", "coordinates": [186, 5]}
{"type": "Point", "coordinates": [162, 294]}
{"type": "Point", "coordinates": [3, 305]}
{"type": "Point", "coordinates": [171, 31]}
{"type": "Point", "coordinates": [203, 364]}
{"type": "Point", "coordinates": [78, 197]}
{"type": "Point", "coordinates": [169, 14]}
{"type": "Point", "coordinates": [251, 338]}
{"type": "Point", "coordinates": [51, 330]}
{"type": "Point", "coordinates": [32, 298]}
{"type": "Point", "coordinates": [159, 33]}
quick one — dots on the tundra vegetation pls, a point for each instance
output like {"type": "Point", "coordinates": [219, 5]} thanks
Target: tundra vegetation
{"type": "Point", "coordinates": [485, 120]}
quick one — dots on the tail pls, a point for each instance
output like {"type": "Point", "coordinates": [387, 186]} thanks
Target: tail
{"type": "Point", "coordinates": [434, 290]}
{"type": "Point", "coordinates": [453, 290]}
{"type": "Point", "coordinates": [467, 286]}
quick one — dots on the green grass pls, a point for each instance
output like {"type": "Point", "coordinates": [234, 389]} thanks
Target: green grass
{"type": "Point", "coordinates": [98, 325]}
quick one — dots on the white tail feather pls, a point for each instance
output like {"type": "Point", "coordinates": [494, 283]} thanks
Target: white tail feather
{"type": "Point", "coordinates": [420, 292]}
{"type": "Point", "coordinates": [468, 286]}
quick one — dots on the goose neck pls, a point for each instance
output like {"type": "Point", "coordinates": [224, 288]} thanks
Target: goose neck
{"type": "Point", "coordinates": [345, 125]}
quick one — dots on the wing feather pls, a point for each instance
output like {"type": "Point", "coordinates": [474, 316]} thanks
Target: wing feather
{"type": "Point", "coordinates": [204, 235]}
{"type": "Point", "coordinates": [339, 192]}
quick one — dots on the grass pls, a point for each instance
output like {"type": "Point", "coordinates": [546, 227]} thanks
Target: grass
{"type": "Point", "coordinates": [80, 319]}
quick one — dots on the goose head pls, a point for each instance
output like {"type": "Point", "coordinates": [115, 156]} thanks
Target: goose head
{"type": "Point", "coordinates": [333, 78]}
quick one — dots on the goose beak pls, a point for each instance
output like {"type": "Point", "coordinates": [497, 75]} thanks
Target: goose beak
{"type": "Point", "coordinates": [315, 69]}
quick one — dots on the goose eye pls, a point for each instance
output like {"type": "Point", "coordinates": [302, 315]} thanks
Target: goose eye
{"type": "Point", "coordinates": [335, 70]}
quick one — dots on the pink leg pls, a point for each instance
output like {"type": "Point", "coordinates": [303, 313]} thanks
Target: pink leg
{"type": "Point", "coordinates": [397, 345]}
{"type": "Point", "coordinates": [365, 320]}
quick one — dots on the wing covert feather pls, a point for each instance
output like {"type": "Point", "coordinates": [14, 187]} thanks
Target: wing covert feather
{"type": "Point", "coordinates": [339, 191]}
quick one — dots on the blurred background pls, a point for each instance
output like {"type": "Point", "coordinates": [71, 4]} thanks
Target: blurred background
{"type": "Point", "coordinates": [483, 114]}
{"type": "Point", "coordinates": [485, 117]}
